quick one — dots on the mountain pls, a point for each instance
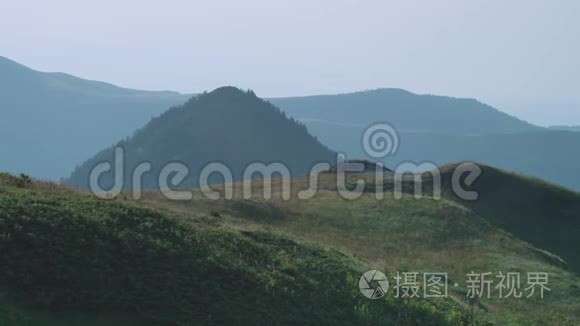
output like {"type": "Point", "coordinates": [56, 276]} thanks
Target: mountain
{"type": "Point", "coordinates": [52, 121]}
{"type": "Point", "coordinates": [405, 110]}
{"type": "Point", "coordinates": [228, 126]}
{"type": "Point", "coordinates": [440, 130]}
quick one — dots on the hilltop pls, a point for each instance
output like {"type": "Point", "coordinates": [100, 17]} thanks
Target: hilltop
{"type": "Point", "coordinates": [227, 125]}
{"type": "Point", "coordinates": [352, 165]}
{"type": "Point", "coordinates": [405, 110]}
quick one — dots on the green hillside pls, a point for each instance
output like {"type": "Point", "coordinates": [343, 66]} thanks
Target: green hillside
{"type": "Point", "coordinates": [67, 257]}
{"type": "Point", "coordinates": [544, 214]}
{"type": "Point", "coordinates": [157, 261]}
{"type": "Point", "coordinates": [423, 235]}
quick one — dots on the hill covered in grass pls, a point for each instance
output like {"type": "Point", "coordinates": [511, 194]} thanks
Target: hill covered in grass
{"type": "Point", "coordinates": [55, 120]}
{"type": "Point", "coordinates": [68, 257]}
{"type": "Point", "coordinates": [162, 255]}
{"type": "Point", "coordinates": [426, 235]}
{"type": "Point", "coordinates": [544, 214]}
{"type": "Point", "coordinates": [228, 126]}
{"type": "Point", "coordinates": [541, 213]}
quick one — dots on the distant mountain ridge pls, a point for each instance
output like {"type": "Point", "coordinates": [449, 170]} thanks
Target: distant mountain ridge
{"type": "Point", "coordinates": [62, 81]}
{"type": "Point", "coordinates": [405, 110]}
{"type": "Point", "coordinates": [52, 121]}
{"type": "Point", "coordinates": [227, 126]}
{"type": "Point", "coordinates": [439, 130]}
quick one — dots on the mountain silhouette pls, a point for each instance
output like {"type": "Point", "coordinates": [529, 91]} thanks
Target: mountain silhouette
{"type": "Point", "coordinates": [405, 110]}
{"type": "Point", "coordinates": [228, 126]}
{"type": "Point", "coordinates": [439, 130]}
{"type": "Point", "coordinates": [52, 121]}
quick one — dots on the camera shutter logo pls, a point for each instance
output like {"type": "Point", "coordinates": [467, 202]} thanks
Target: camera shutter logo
{"type": "Point", "coordinates": [373, 284]}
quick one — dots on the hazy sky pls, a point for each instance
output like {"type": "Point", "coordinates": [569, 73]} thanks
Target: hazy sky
{"type": "Point", "coordinates": [521, 56]}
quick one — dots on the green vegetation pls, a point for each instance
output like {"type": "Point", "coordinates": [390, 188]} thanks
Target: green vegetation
{"type": "Point", "coordinates": [14, 315]}
{"type": "Point", "coordinates": [544, 214]}
{"type": "Point", "coordinates": [67, 254]}
{"type": "Point", "coordinates": [424, 235]}
{"type": "Point", "coordinates": [259, 261]}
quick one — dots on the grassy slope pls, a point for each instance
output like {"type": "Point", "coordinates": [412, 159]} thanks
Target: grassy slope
{"type": "Point", "coordinates": [69, 259]}
{"type": "Point", "coordinates": [405, 235]}
{"type": "Point", "coordinates": [544, 214]}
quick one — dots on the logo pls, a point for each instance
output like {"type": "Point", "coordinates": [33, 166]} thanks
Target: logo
{"type": "Point", "coordinates": [373, 284]}
{"type": "Point", "coordinates": [380, 140]}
